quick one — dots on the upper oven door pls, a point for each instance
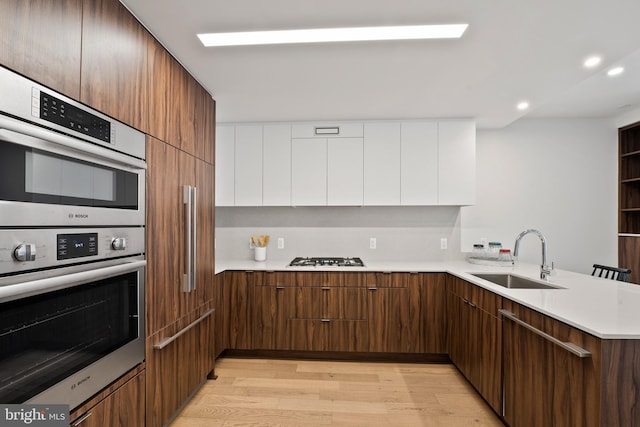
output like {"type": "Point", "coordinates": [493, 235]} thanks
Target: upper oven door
{"type": "Point", "coordinates": [50, 179]}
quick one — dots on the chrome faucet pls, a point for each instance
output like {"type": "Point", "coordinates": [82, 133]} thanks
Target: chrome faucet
{"type": "Point", "coordinates": [544, 268]}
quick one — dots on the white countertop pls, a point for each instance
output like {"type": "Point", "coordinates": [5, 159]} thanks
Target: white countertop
{"type": "Point", "coordinates": [604, 308]}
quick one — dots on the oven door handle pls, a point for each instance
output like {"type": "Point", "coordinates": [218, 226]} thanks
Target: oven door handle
{"type": "Point", "coordinates": [36, 287]}
{"type": "Point", "coordinates": [21, 133]}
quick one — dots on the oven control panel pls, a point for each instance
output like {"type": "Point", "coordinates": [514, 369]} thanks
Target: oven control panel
{"type": "Point", "coordinates": [77, 245]}
{"type": "Point", "coordinates": [25, 250]}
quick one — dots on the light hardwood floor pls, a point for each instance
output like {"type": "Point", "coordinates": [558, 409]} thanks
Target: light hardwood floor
{"type": "Point", "coordinates": [258, 392]}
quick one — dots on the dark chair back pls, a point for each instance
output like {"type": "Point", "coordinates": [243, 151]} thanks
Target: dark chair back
{"type": "Point", "coordinates": [613, 273]}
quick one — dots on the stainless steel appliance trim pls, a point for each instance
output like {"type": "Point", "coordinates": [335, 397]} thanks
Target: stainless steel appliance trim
{"type": "Point", "coordinates": [570, 347]}
{"type": "Point", "coordinates": [190, 202]}
{"type": "Point", "coordinates": [36, 287]}
{"type": "Point", "coordinates": [194, 239]}
{"type": "Point", "coordinates": [47, 140]}
{"type": "Point", "coordinates": [188, 207]}
{"type": "Point", "coordinates": [45, 241]}
{"type": "Point", "coordinates": [165, 342]}
{"type": "Point", "coordinates": [81, 385]}
{"type": "Point", "coordinates": [20, 98]}
{"type": "Point", "coordinates": [17, 214]}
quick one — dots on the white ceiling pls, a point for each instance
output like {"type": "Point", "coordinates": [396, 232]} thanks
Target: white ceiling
{"type": "Point", "coordinates": [512, 50]}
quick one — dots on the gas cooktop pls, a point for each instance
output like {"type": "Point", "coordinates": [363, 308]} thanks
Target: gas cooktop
{"type": "Point", "coordinates": [326, 262]}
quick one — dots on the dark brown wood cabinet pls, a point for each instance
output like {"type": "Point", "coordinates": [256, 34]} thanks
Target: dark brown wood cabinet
{"type": "Point", "coordinates": [319, 311]}
{"type": "Point", "coordinates": [176, 369]}
{"type": "Point", "coordinates": [407, 313]}
{"type": "Point", "coordinates": [237, 300]}
{"type": "Point", "coordinates": [629, 200]}
{"type": "Point", "coordinates": [41, 39]}
{"type": "Point", "coordinates": [179, 358]}
{"type": "Point", "coordinates": [181, 111]}
{"type": "Point", "coordinates": [475, 337]}
{"type": "Point", "coordinates": [114, 72]}
{"type": "Point", "coordinates": [544, 383]}
{"type": "Point", "coordinates": [122, 406]}
{"type": "Point", "coordinates": [350, 312]}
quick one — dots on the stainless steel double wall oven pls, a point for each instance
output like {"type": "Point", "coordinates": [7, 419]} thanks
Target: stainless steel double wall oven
{"type": "Point", "coordinates": [72, 246]}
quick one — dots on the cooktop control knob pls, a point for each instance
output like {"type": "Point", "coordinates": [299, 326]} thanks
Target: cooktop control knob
{"type": "Point", "coordinates": [25, 252]}
{"type": "Point", "coordinates": [119, 244]}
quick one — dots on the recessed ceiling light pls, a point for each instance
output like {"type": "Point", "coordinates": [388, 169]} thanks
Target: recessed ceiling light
{"type": "Point", "coordinates": [334, 35]}
{"type": "Point", "coordinates": [592, 61]}
{"type": "Point", "coordinates": [523, 105]}
{"type": "Point", "coordinates": [615, 71]}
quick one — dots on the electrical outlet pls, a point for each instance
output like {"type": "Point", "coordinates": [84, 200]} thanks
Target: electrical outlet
{"type": "Point", "coordinates": [372, 243]}
{"type": "Point", "coordinates": [280, 242]}
{"type": "Point", "coordinates": [443, 243]}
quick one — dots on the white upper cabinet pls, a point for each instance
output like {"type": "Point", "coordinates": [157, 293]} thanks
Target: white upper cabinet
{"type": "Point", "coordinates": [457, 162]}
{"type": "Point", "coordinates": [248, 166]}
{"type": "Point", "coordinates": [377, 163]}
{"type": "Point", "coordinates": [344, 171]}
{"type": "Point", "coordinates": [225, 170]}
{"type": "Point", "coordinates": [382, 164]}
{"type": "Point", "coordinates": [276, 165]}
{"type": "Point", "coordinates": [419, 163]}
{"type": "Point", "coordinates": [309, 171]}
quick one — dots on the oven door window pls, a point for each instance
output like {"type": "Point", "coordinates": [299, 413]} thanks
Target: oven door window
{"type": "Point", "coordinates": [35, 176]}
{"type": "Point", "coordinates": [46, 338]}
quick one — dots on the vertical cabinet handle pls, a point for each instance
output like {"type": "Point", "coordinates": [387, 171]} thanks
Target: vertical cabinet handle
{"type": "Point", "coordinates": [190, 201]}
{"type": "Point", "coordinates": [194, 237]}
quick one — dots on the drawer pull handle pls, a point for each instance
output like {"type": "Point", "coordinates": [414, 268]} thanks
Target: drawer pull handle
{"type": "Point", "coordinates": [326, 288]}
{"type": "Point", "coordinates": [373, 288]}
{"type": "Point", "coordinates": [279, 287]}
{"type": "Point", "coordinates": [82, 419]}
{"type": "Point", "coordinates": [325, 320]}
{"type": "Point", "coordinates": [165, 342]}
{"type": "Point", "coordinates": [570, 347]}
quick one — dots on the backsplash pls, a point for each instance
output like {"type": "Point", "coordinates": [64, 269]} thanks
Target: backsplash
{"type": "Point", "coordinates": [401, 233]}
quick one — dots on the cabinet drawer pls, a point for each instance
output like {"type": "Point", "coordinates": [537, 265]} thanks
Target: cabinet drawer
{"type": "Point", "coordinates": [475, 295]}
{"type": "Point", "coordinates": [328, 130]}
{"type": "Point", "coordinates": [177, 369]}
{"type": "Point", "coordinates": [124, 407]}
{"type": "Point", "coordinates": [285, 279]}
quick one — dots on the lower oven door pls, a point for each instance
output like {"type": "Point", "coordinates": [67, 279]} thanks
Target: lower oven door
{"type": "Point", "coordinates": [64, 338]}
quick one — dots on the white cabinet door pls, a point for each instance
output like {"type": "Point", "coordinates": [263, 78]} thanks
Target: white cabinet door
{"type": "Point", "coordinates": [382, 164]}
{"type": "Point", "coordinates": [457, 162]}
{"type": "Point", "coordinates": [419, 163]}
{"type": "Point", "coordinates": [248, 166]}
{"type": "Point", "coordinates": [225, 159]}
{"type": "Point", "coordinates": [276, 165]}
{"type": "Point", "coordinates": [344, 171]}
{"type": "Point", "coordinates": [309, 172]}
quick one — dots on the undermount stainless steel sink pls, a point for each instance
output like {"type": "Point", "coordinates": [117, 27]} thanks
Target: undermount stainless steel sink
{"type": "Point", "coordinates": [514, 282]}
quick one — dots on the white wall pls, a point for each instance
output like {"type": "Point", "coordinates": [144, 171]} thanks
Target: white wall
{"type": "Point", "coordinates": [402, 233]}
{"type": "Point", "coordinates": [559, 176]}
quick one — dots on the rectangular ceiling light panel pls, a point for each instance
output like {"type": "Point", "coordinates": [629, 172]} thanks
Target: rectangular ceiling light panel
{"type": "Point", "coordinates": [329, 35]}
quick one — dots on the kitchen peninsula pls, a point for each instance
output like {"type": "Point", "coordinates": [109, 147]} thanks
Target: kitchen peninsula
{"type": "Point", "coordinates": [571, 348]}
